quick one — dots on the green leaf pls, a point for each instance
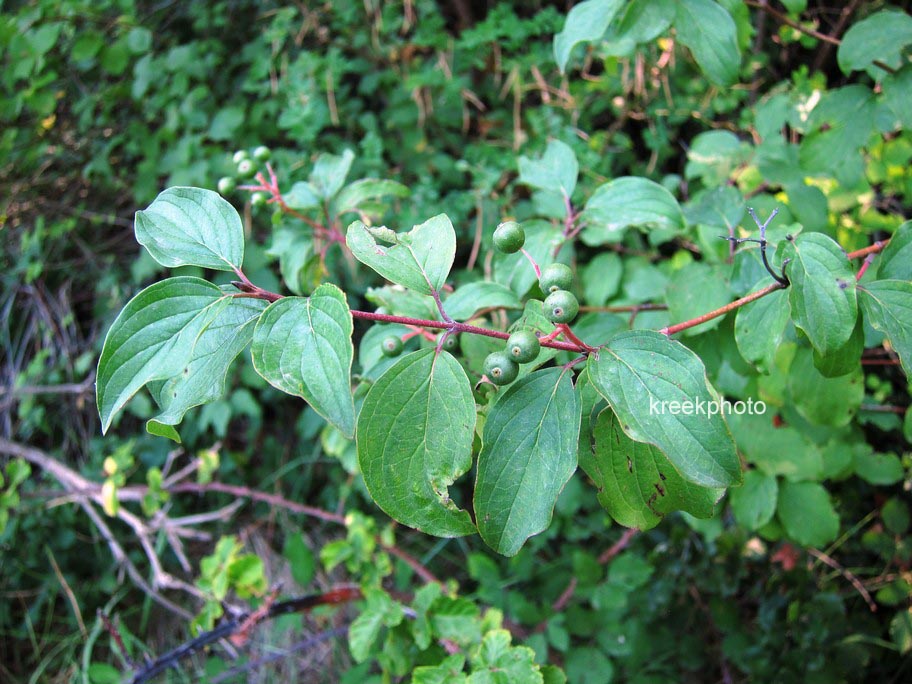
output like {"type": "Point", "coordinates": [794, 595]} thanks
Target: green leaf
{"type": "Point", "coordinates": [629, 202]}
{"type": "Point", "coordinates": [420, 259]}
{"type": "Point", "coordinates": [329, 173]}
{"type": "Point", "coordinates": [896, 259]}
{"type": "Point", "coordinates": [636, 483]}
{"type": "Point", "coordinates": [303, 346]}
{"type": "Point", "coordinates": [469, 298]}
{"type": "Point", "coordinates": [822, 291]}
{"type": "Point", "coordinates": [529, 453]}
{"type": "Point", "coordinates": [760, 327]}
{"type": "Point", "coordinates": [807, 514]}
{"type": "Point", "coordinates": [191, 226]}
{"type": "Point", "coordinates": [837, 128]}
{"type": "Point", "coordinates": [601, 278]}
{"type": "Point", "coordinates": [881, 37]}
{"type": "Point", "coordinates": [844, 360]}
{"type": "Point", "coordinates": [901, 630]}
{"type": "Point", "coordinates": [448, 671]}
{"type": "Point", "coordinates": [587, 21]}
{"type": "Point", "coordinates": [497, 662]}
{"type": "Point", "coordinates": [202, 379]}
{"type": "Point", "coordinates": [694, 290]}
{"type": "Point", "coordinates": [380, 611]}
{"type": "Point", "coordinates": [754, 502]}
{"type": "Point", "coordinates": [415, 433]}
{"type": "Point", "coordinates": [887, 306]}
{"type": "Point", "coordinates": [714, 155]}
{"type": "Point", "coordinates": [152, 338]}
{"type": "Point", "coordinates": [355, 195]}
{"type": "Point", "coordinates": [156, 429]}
{"type": "Point", "coordinates": [782, 451]}
{"type": "Point", "coordinates": [302, 196]}
{"type": "Point", "coordinates": [226, 122]}
{"type": "Point", "coordinates": [301, 559]}
{"type": "Point", "coordinates": [822, 400]}
{"type": "Point", "coordinates": [878, 469]}
{"type": "Point", "coordinates": [556, 171]}
{"type": "Point", "coordinates": [708, 30]}
{"type": "Point", "coordinates": [636, 373]}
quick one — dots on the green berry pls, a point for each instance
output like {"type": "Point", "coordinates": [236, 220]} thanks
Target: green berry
{"type": "Point", "coordinates": [246, 168]}
{"type": "Point", "coordinates": [262, 153]}
{"type": "Point", "coordinates": [258, 199]}
{"type": "Point", "coordinates": [523, 346]}
{"type": "Point", "coordinates": [509, 237]}
{"type": "Point", "coordinates": [500, 368]}
{"type": "Point", "coordinates": [555, 277]}
{"type": "Point", "coordinates": [391, 346]}
{"type": "Point", "coordinates": [560, 307]}
{"type": "Point", "coordinates": [239, 156]}
{"type": "Point", "coordinates": [450, 343]}
{"type": "Point", "coordinates": [226, 185]}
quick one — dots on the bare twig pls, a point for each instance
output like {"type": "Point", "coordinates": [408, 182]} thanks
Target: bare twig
{"type": "Point", "coordinates": [848, 574]}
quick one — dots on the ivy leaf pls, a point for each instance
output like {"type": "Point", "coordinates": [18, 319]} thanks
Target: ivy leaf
{"type": "Point", "coordinates": [152, 338]}
{"type": "Point", "coordinates": [760, 327]}
{"type": "Point", "coordinates": [469, 298]}
{"type": "Point", "coordinates": [880, 37]}
{"type": "Point", "coordinates": [329, 173]}
{"type": "Point", "coordinates": [636, 483]}
{"type": "Point", "coordinates": [754, 502]}
{"type": "Point", "coordinates": [203, 377]}
{"type": "Point", "coordinates": [420, 259]}
{"type": "Point", "coordinates": [806, 512]}
{"type": "Point", "coordinates": [192, 226]}
{"type": "Point", "coordinates": [888, 307]}
{"type": "Point", "coordinates": [896, 259]}
{"type": "Point", "coordinates": [415, 433]}
{"type": "Point", "coordinates": [629, 202]}
{"type": "Point", "coordinates": [303, 346]}
{"type": "Point", "coordinates": [641, 369]}
{"type": "Point", "coordinates": [708, 30]}
{"type": "Point", "coordinates": [822, 291]}
{"type": "Point", "coordinates": [587, 21]}
{"type": "Point", "coordinates": [556, 171]}
{"type": "Point", "coordinates": [529, 453]}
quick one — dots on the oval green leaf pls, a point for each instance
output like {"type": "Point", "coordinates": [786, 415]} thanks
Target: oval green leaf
{"type": "Point", "coordinates": [587, 21]}
{"type": "Point", "coordinates": [529, 454]}
{"type": "Point", "coordinates": [888, 307]}
{"type": "Point", "coordinates": [708, 30]}
{"type": "Point", "coordinates": [192, 226]}
{"type": "Point", "coordinates": [472, 297]}
{"type": "Point", "coordinates": [420, 259]}
{"type": "Point", "coordinates": [629, 202]}
{"type": "Point", "coordinates": [152, 338]}
{"type": "Point", "coordinates": [415, 433]}
{"type": "Point", "coordinates": [659, 391]}
{"type": "Point", "coordinates": [303, 346]}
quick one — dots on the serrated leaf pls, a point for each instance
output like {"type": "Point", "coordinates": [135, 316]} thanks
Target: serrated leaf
{"type": "Point", "coordinates": [381, 611]}
{"type": "Point", "coordinates": [419, 260]}
{"type": "Point", "coordinates": [636, 483]}
{"type": "Point", "coordinates": [639, 370]}
{"type": "Point", "coordinates": [354, 195]}
{"type": "Point", "coordinates": [329, 173]}
{"type": "Point", "coordinates": [760, 327]}
{"type": "Point", "coordinates": [303, 346]}
{"type": "Point", "coordinates": [152, 338]}
{"type": "Point", "coordinates": [806, 512]}
{"type": "Point", "coordinates": [629, 202]}
{"type": "Point", "coordinates": [202, 379]}
{"type": "Point", "coordinates": [754, 502]}
{"type": "Point", "coordinates": [587, 21]}
{"type": "Point", "coordinates": [497, 661]}
{"type": "Point", "coordinates": [881, 36]}
{"type": "Point", "coordinates": [556, 171]}
{"type": "Point", "coordinates": [415, 434]}
{"type": "Point", "coordinates": [896, 259]}
{"type": "Point", "coordinates": [191, 226]}
{"type": "Point", "coordinates": [888, 307]}
{"type": "Point", "coordinates": [708, 30]}
{"type": "Point", "coordinates": [472, 297]}
{"type": "Point", "coordinates": [529, 453]}
{"type": "Point", "coordinates": [822, 291]}
{"type": "Point", "coordinates": [694, 290]}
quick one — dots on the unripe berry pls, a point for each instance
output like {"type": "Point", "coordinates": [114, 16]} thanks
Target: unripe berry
{"type": "Point", "coordinates": [246, 168]}
{"type": "Point", "coordinates": [523, 346]}
{"type": "Point", "coordinates": [450, 343]}
{"type": "Point", "coordinates": [262, 153]}
{"type": "Point", "coordinates": [391, 346]}
{"type": "Point", "coordinates": [226, 185]}
{"type": "Point", "coordinates": [560, 307]}
{"type": "Point", "coordinates": [500, 368]}
{"type": "Point", "coordinates": [239, 156]}
{"type": "Point", "coordinates": [509, 237]}
{"type": "Point", "coordinates": [555, 277]}
{"type": "Point", "coordinates": [258, 199]}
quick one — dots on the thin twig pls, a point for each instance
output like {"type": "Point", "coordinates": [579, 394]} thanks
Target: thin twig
{"type": "Point", "coordinates": [845, 572]}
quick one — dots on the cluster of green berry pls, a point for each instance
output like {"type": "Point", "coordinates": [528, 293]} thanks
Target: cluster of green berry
{"type": "Point", "coordinates": [560, 307]}
{"type": "Point", "coordinates": [247, 166]}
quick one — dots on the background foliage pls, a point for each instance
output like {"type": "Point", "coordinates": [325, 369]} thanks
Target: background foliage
{"type": "Point", "coordinates": [803, 574]}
